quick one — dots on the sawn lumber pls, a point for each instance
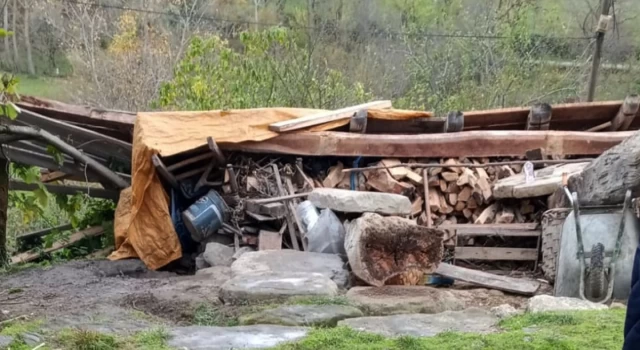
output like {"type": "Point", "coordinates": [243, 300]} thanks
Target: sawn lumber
{"type": "Point", "coordinates": [496, 143]}
{"type": "Point", "coordinates": [484, 279]}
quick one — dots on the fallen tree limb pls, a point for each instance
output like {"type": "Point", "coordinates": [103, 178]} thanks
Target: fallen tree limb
{"type": "Point", "coordinates": [74, 238]}
{"type": "Point", "coordinates": [44, 232]}
{"type": "Point", "coordinates": [78, 156]}
{"type": "Point", "coordinates": [495, 143]}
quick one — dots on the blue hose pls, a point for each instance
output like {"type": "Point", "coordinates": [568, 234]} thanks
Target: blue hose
{"type": "Point", "coordinates": [354, 174]}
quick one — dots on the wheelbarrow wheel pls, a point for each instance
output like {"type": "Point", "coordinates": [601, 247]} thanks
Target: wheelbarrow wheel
{"type": "Point", "coordinates": [596, 279]}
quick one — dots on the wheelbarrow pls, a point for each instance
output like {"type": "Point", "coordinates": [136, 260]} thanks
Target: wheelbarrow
{"type": "Point", "coordinates": [604, 271]}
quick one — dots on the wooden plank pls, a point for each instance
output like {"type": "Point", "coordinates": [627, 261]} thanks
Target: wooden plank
{"type": "Point", "coordinates": [44, 232]}
{"type": "Point", "coordinates": [626, 114]}
{"type": "Point", "coordinates": [484, 279]}
{"type": "Point", "coordinates": [334, 177]}
{"type": "Point", "coordinates": [487, 253]}
{"type": "Point", "coordinates": [325, 117]}
{"type": "Point", "coordinates": [508, 230]}
{"type": "Point", "coordinates": [490, 143]}
{"type": "Point", "coordinates": [547, 181]}
{"type": "Point", "coordinates": [74, 238]}
{"type": "Point", "coordinates": [89, 141]}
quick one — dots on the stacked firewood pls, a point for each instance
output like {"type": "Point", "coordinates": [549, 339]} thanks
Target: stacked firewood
{"type": "Point", "coordinates": [456, 194]}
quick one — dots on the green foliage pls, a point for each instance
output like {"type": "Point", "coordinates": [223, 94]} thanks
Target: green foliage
{"type": "Point", "coordinates": [319, 300]}
{"type": "Point", "coordinates": [547, 331]}
{"type": "Point", "coordinates": [87, 340]}
{"type": "Point", "coordinates": [219, 316]}
{"type": "Point", "coordinates": [270, 70]}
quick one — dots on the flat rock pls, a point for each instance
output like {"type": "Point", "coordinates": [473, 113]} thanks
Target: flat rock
{"type": "Point", "coordinates": [360, 201]}
{"type": "Point", "coordinates": [394, 300]}
{"type": "Point", "coordinates": [241, 252]}
{"type": "Point", "coordinates": [422, 325]}
{"type": "Point", "coordinates": [291, 261]}
{"type": "Point", "coordinates": [505, 311]}
{"type": "Point", "coordinates": [303, 315]}
{"type": "Point", "coordinates": [225, 338]}
{"type": "Point", "coordinates": [218, 273]}
{"type": "Point", "coordinates": [5, 341]}
{"type": "Point", "coordinates": [274, 286]}
{"type": "Point", "coordinates": [216, 254]}
{"type": "Point", "coordinates": [546, 303]}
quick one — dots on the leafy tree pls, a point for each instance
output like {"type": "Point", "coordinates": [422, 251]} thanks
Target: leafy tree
{"type": "Point", "coordinates": [271, 69]}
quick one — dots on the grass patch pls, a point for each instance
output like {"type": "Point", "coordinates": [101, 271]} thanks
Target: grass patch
{"type": "Point", "coordinates": [219, 316]}
{"type": "Point", "coordinates": [546, 331]}
{"type": "Point", "coordinates": [87, 340]}
{"type": "Point", "coordinates": [45, 87]}
{"type": "Point", "coordinates": [318, 300]}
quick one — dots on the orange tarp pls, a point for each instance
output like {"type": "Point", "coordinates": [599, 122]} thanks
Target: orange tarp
{"type": "Point", "coordinates": [143, 226]}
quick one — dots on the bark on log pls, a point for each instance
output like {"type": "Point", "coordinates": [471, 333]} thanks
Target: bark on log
{"type": "Point", "coordinates": [606, 179]}
{"type": "Point", "coordinates": [382, 248]}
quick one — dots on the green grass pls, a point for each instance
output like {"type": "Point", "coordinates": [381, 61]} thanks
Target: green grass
{"type": "Point", "coordinates": [45, 87]}
{"type": "Point", "coordinates": [549, 331]}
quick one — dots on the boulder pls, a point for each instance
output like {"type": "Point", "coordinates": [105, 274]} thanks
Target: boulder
{"type": "Point", "coordinates": [505, 311]}
{"type": "Point", "coordinates": [225, 338]}
{"type": "Point", "coordinates": [201, 263]}
{"type": "Point", "coordinates": [5, 341]}
{"type": "Point", "coordinates": [275, 286]}
{"type": "Point", "coordinates": [303, 315]}
{"type": "Point", "coordinates": [360, 201]}
{"type": "Point", "coordinates": [546, 303]}
{"type": "Point", "coordinates": [217, 254]}
{"type": "Point", "coordinates": [241, 251]}
{"type": "Point", "coordinates": [392, 250]}
{"type": "Point", "coordinates": [393, 300]}
{"type": "Point", "coordinates": [291, 261]}
{"type": "Point", "coordinates": [422, 325]}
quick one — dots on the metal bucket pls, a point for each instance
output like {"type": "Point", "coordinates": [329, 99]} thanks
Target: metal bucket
{"type": "Point", "coordinates": [205, 217]}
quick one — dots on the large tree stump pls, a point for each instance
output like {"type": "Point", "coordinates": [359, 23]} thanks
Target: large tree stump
{"type": "Point", "coordinates": [606, 179]}
{"type": "Point", "coordinates": [389, 250]}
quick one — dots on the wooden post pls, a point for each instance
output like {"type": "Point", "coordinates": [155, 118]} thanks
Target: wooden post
{"type": "Point", "coordinates": [4, 205]}
{"type": "Point", "coordinates": [539, 117]}
{"type": "Point", "coordinates": [626, 114]}
{"type": "Point", "coordinates": [427, 207]}
{"type": "Point", "coordinates": [600, 31]}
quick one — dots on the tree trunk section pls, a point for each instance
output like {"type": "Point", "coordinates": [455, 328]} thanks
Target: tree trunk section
{"type": "Point", "coordinates": [14, 26]}
{"type": "Point", "coordinates": [4, 204]}
{"type": "Point", "coordinates": [390, 250]}
{"type": "Point", "coordinates": [606, 179]}
{"type": "Point", "coordinates": [5, 25]}
{"type": "Point", "coordinates": [27, 40]}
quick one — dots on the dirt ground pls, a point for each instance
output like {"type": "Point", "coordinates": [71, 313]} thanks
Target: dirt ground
{"type": "Point", "coordinates": [126, 296]}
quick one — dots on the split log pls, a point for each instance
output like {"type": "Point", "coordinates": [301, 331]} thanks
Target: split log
{"type": "Point", "coordinates": [606, 179]}
{"type": "Point", "coordinates": [487, 214]}
{"type": "Point", "coordinates": [382, 181]}
{"type": "Point", "coordinates": [416, 206]}
{"type": "Point", "coordinates": [443, 185]}
{"type": "Point", "coordinates": [626, 114]}
{"type": "Point", "coordinates": [434, 181]}
{"type": "Point", "coordinates": [465, 194]}
{"type": "Point", "coordinates": [381, 248]}
{"type": "Point", "coordinates": [455, 169]}
{"type": "Point", "coordinates": [445, 208]}
{"type": "Point", "coordinates": [396, 172]}
{"type": "Point", "coordinates": [449, 176]}
{"type": "Point", "coordinates": [414, 178]}
{"type": "Point", "coordinates": [460, 206]}
{"type": "Point", "coordinates": [452, 198]}
{"type": "Point", "coordinates": [452, 188]}
{"type": "Point", "coordinates": [334, 177]}
{"type": "Point", "coordinates": [434, 200]}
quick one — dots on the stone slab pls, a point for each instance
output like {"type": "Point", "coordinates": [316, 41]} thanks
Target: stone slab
{"type": "Point", "coordinates": [225, 338]}
{"type": "Point", "coordinates": [360, 201]}
{"type": "Point", "coordinates": [422, 325]}
{"type": "Point", "coordinates": [394, 300]}
{"type": "Point", "coordinates": [303, 315]}
{"type": "Point", "coordinates": [275, 286]}
{"type": "Point", "coordinates": [292, 261]}
{"type": "Point", "coordinates": [216, 254]}
{"type": "Point", "coordinates": [548, 303]}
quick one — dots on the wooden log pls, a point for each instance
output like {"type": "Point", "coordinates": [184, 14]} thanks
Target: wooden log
{"type": "Point", "coordinates": [382, 181]}
{"type": "Point", "coordinates": [452, 188]}
{"type": "Point", "coordinates": [445, 208]}
{"type": "Point", "coordinates": [505, 216]}
{"type": "Point", "coordinates": [484, 279]}
{"type": "Point", "coordinates": [494, 143]}
{"type": "Point", "coordinates": [547, 181]}
{"type": "Point", "coordinates": [63, 243]}
{"type": "Point", "coordinates": [443, 185]}
{"type": "Point", "coordinates": [449, 176]}
{"type": "Point", "coordinates": [471, 203]}
{"type": "Point", "coordinates": [465, 194]}
{"type": "Point", "coordinates": [485, 188]}
{"type": "Point", "coordinates": [381, 248]}
{"type": "Point", "coordinates": [414, 178]}
{"type": "Point", "coordinates": [468, 213]}
{"type": "Point", "coordinates": [452, 199]}
{"type": "Point", "coordinates": [416, 206]}
{"type": "Point", "coordinates": [496, 254]}
{"type": "Point", "coordinates": [325, 117]}
{"type": "Point", "coordinates": [396, 172]}
{"type": "Point", "coordinates": [434, 200]}
{"type": "Point", "coordinates": [455, 169]}
{"type": "Point", "coordinates": [539, 117]}
{"type": "Point", "coordinates": [427, 198]}
{"type": "Point", "coordinates": [487, 214]}
{"type": "Point", "coordinates": [334, 177]}
{"type": "Point", "coordinates": [467, 178]}
{"type": "Point", "coordinates": [626, 114]}
{"type": "Point", "coordinates": [460, 206]}
{"type": "Point", "coordinates": [434, 181]}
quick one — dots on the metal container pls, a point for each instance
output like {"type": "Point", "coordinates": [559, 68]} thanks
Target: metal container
{"type": "Point", "coordinates": [205, 217]}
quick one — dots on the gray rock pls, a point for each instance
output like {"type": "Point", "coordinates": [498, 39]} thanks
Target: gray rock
{"type": "Point", "coordinates": [201, 263]}
{"type": "Point", "coordinates": [217, 254]}
{"type": "Point", "coordinates": [394, 300]}
{"type": "Point", "coordinates": [421, 325]}
{"type": "Point", "coordinates": [241, 252]}
{"type": "Point", "coordinates": [31, 339]}
{"type": "Point", "coordinates": [291, 261]}
{"type": "Point", "coordinates": [504, 311]}
{"type": "Point", "coordinates": [360, 201]}
{"type": "Point", "coordinates": [218, 273]}
{"type": "Point", "coordinates": [546, 303]}
{"type": "Point", "coordinates": [274, 286]}
{"type": "Point", "coordinates": [225, 338]}
{"type": "Point", "coordinates": [5, 341]}
{"type": "Point", "coordinates": [616, 305]}
{"type": "Point", "coordinates": [303, 315]}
